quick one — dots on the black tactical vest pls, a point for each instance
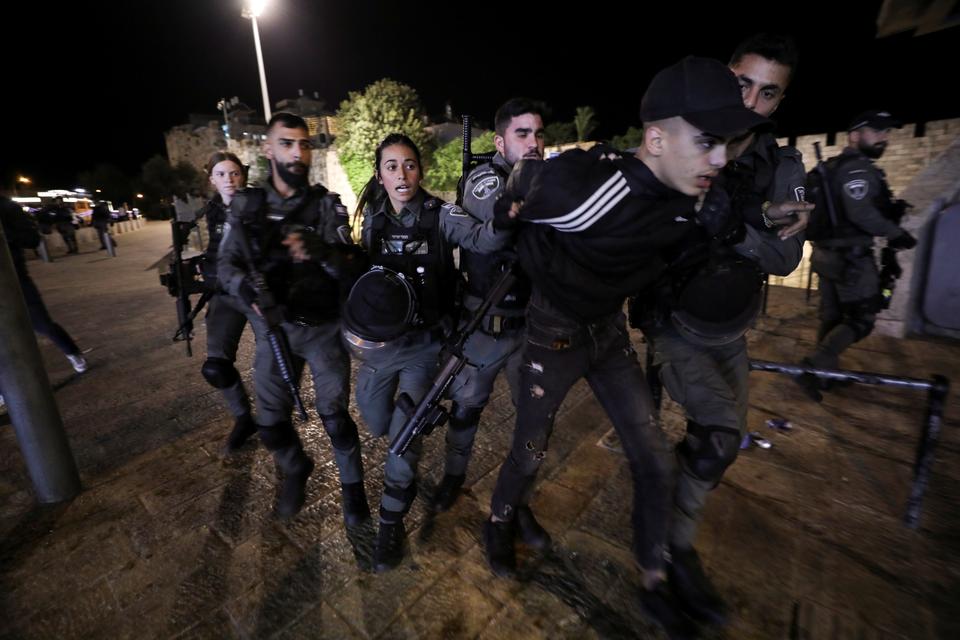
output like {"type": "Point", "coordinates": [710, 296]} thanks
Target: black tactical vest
{"type": "Point", "coordinates": [421, 255]}
{"type": "Point", "coordinates": [309, 293]}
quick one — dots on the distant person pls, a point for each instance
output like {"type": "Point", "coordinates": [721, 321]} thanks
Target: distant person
{"type": "Point", "coordinates": [65, 222]}
{"type": "Point", "coordinates": [101, 222]}
{"type": "Point", "coordinates": [22, 234]}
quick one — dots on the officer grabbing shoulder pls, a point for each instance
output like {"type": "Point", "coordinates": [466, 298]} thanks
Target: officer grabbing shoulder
{"type": "Point", "coordinates": [497, 346]}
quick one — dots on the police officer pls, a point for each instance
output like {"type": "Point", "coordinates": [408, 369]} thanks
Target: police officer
{"type": "Point", "coordinates": [226, 316]}
{"type": "Point", "coordinates": [496, 346]}
{"type": "Point", "coordinates": [65, 220]}
{"type": "Point", "coordinates": [696, 317]}
{"type": "Point", "coordinates": [409, 235]}
{"type": "Point", "coordinates": [301, 243]}
{"type": "Point", "coordinates": [599, 226]}
{"type": "Point", "coordinates": [843, 258]}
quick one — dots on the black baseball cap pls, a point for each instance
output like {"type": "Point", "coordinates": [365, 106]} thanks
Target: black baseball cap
{"type": "Point", "coordinates": [702, 91]}
{"type": "Point", "coordinates": [879, 120]}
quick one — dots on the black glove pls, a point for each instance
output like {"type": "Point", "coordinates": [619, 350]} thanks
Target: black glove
{"type": "Point", "coordinates": [718, 219]}
{"type": "Point", "coordinates": [501, 213]}
{"type": "Point", "coordinates": [902, 241]}
{"type": "Point", "coordinates": [247, 293]}
{"type": "Point", "coordinates": [316, 248]}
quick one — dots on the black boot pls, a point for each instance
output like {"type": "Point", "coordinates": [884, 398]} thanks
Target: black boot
{"type": "Point", "coordinates": [388, 553]}
{"type": "Point", "coordinates": [243, 428]}
{"type": "Point", "coordinates": [498, 544]}
{"type": "Point", "coordinates": [660, 604]}
{"type": "Point", "coordinates": [284, 443]}
{"type": "Point", "coordinates": [447, 493]}
{"type": "Point", "coordinates": [531, 533]}
{"type": "Point", "coordinates": [693, 588]}
{"type": "Point", "coordinates": [356, 510]}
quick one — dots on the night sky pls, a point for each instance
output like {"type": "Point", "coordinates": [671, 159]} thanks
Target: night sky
{"type": "Point", "coordinates": [101, 82]}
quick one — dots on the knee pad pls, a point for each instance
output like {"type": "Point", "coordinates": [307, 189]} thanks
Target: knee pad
{"type": "Point", "coordinates": [707, 451]}
{"type": "Point", "coordinates": [462, 418]}
{"type": "Point", "coordinates": [220, 373]}
{"type": "Point", "coordinates": [342, 430]}
{"type": "Point", "coordinates": [405, 496]}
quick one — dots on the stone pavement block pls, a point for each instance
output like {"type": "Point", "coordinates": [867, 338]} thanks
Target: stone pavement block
{"type": "Point", "coordinates": [752, 566]}
{"type": "Point", "coordinates": [373, 601]}
{"type": "Point", "coordinates": [320, 622]}
{"type": "Point", "coordinates": [466, 612]}
{"type": "Point", "coordinates": [289, 585]}
{"type": "Point", "coordinates": [216, 627]}
{"type": "Point", "coordinates": [179, 585]}
{"type": "Point", "coordinates": [557, 507]}
{"type": "Point", "coordinates": [855, 592]}
{"type": "Point", "coordinates": [89, 611]}
{"type": "Point", "coordinates": [608, 513]}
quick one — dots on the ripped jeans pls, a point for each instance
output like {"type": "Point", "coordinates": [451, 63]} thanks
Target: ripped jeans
{"type": "Point", "coordinates": [557, 353]}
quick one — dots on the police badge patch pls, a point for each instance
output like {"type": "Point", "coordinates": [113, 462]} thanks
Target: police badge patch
{"type": "Point", "coordinates": [800, 193]}
{"type": "Point", "coordinates": [486, 187]}
{"type": "Point", "coordinates": [857, 189]}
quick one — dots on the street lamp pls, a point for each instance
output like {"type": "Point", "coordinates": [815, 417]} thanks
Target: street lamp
{"type": "Point", "coordinates": [20, 180]}
{"type": "Point", "coordinates": [253, 9]}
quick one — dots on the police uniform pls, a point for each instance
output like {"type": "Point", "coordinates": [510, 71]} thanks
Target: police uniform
{"type": "Point", "coordinates": [418, 243]}
{"type": "Point", "coordinates": [226, 317]}
{"type": "Point", "coordinates": [101, 222]}
{"type": "Point", "coordinates": [64, 220]}
{"type": "Point", "coordinates": [496, 346]}
{"type": "Point", "coordinates": [311, 298]}
{"type": "Point", "coordinates": [709, 377]}
{"type": "Point", "coordinates": [849, 281]}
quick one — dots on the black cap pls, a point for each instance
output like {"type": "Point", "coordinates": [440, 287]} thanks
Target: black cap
{"type": "Point", "coordinates": [875, 119]}
{"type": "Point", "coordinates": [702, 91]}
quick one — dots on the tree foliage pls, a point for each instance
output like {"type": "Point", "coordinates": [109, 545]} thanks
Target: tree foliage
{"type": "Point", "coordinates": [365, 118]}
{"type": "Point", "coordinates": [447, 163]}
{"type": "Point", "coordinates": [629, 140]}
{"type": "Point", "coordinates": [585, 121]}
{"type": "Point", "coordinates": [559, 133]}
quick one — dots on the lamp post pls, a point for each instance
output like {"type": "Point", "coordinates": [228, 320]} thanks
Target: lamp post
{"type": "Point", "coordinates": [252, 9]}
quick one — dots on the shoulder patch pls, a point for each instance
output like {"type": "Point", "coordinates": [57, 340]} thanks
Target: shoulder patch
{"type": "Point", "coordinates": [857, 189]}
{"type": "Point", "coordinates": [800, 193]}
{"type": "Point", "coordinates": [486, 186]}
{"type": "Point", "coordinates": [453, 210]}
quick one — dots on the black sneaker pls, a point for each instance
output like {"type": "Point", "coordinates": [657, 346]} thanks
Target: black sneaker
{"type": "Point", "coordinates": [498, 545]}
{"type": "Point", "coordinates": [356, 510]}
{"type": "Point", "coordinates": [694, 591]}
{"type": "Point", "coordinates": [447, 493]}
{"type": "Point", "coordinates": [531, 533]}
{"type": "Point", "coordinates": [388, 552]}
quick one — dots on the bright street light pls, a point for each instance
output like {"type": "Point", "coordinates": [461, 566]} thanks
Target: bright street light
{"type": "Point", "coordinates": [253, 9]}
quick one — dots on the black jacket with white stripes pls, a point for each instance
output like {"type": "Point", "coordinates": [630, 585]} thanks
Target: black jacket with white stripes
{"type": "Point", "coordinates": [602, 228]}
